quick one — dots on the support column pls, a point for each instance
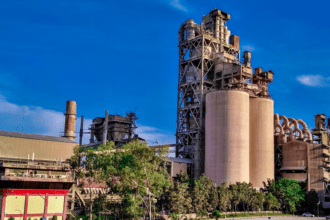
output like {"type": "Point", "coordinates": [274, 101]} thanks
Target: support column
{"type": "Point", "coordinates": [46, 204]}
{"type": "Point", "coordinates": [3, 205]}
{"type": "Point", "coordinates": [26, 206]}
{"type": "Point", "coordinates": [65, 205]}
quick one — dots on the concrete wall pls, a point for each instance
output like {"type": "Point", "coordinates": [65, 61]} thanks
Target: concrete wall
{"type": "Point", "coordinates": [177, 167]}
{"type": "Point", "coordinates": [316, 170]}
{"type": "Point", "coordinates": [12, 147]}
{"type": "Point", "coordinates": [295, 176]}
{"type": "Point", "coordinates": [227, 136]}
{"type": "Point", "coordinates": [300, 154]}
{"type": "Point", "coordinates": [261, 141]}
{"type": "Point", "coordinates": [295, 154]}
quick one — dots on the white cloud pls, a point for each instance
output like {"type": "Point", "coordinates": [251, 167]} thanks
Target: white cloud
{"type": "Point", "coordinates": [178, 5]}
{"type": "Point", "coordinates": [248, 48]}
{"type": "Point", "coordinates": [37, 120]}
{"type": "Point", "coordinates": [154, 135]}
{"type": "Point", "coordinates": [314, 80]}
{"type": "Point", "coordinates": [30, 119]}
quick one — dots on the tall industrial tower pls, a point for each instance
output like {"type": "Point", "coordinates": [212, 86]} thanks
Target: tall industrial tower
{"type": "Point", "coordinates": [197, 47]}
{"type": "Point", "coordinates": [209, 62]}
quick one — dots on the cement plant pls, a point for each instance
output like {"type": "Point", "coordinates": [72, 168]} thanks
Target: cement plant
{"type": "Point", "coordinates": [226, 128]}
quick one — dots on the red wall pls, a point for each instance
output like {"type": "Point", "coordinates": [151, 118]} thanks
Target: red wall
{"type": "Point", "coordinates": [41, 192]}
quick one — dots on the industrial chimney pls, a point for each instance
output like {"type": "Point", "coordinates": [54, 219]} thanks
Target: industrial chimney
{"type": "Point", "coordinates": [70, 120]}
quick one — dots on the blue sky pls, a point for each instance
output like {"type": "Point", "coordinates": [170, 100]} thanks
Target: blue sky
{"type": "Point", "coordinates": [122, 55]}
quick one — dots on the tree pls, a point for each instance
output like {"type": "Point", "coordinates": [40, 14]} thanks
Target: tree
{"type": "Point", "coordinates": [272, 202]}
{"type": "Point", "coordinates": [311, 200]}
{"type": "Point", "coordinates": [288, 192]}
{"type": "Point", "coordinates": [180, 199]}
{"type": "Point", "coordinates": [291, 193]}
{"type": "Point", "coordinates": [85, 162]}
{"type": "Point", "coordinates": [136, 172]}
{"type": "Point", "coordinates": [241, 193]}
{"type": "Point", "coordinates": [225, 197]}
{"type": "Point", "coordinates": [99, 203]}
{"type": "Point", "coordinates": [213, 199]}
{"type": "Point", "coordinates": [256, 200]}
{"type": "Point", "coordinates": [261, 199]}
{"type": "Point", "coordinates": [236, 196]}
{"type": "Point", "coordinates": [204, 195]}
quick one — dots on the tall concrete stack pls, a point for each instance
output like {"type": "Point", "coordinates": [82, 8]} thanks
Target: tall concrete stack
{"type": "Point", "coordinates": [225, 114]}
{"type": "Point", "coordinates": [70, 120]}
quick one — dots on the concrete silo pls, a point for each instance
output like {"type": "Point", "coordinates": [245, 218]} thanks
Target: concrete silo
{"type": "Point", "coordinates": [227, 136]}
{"type": "Point", "coordinates": [224, 110]}
{"type": "Point", "coordinates": [261, 140]}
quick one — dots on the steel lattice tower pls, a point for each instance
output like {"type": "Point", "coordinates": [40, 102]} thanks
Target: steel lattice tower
{"type": "Point", "coordinates": [198, 46]}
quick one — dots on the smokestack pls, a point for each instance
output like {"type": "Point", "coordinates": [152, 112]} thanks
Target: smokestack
{"type": "Point", "coordinates": [70, 120]}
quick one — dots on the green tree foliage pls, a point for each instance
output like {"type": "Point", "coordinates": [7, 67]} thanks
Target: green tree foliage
{"type": "Point", "coordinates": [255, 199]}
{"type": "Point", "coordinates": [204, 195]}
{"type": "Point", "coordinates": [241, 193]}
{"type": "Point", "coordinates": [225, 196]}
{"type": "Point", "coordinates": [272, 202]}
{"type": "Point", "coordinates": [291, 192]}
{"type": "Point", "coordinates": [261, 200]}
{"type": "Point", "coordinates": [99, 203]}
{"type": "Point", "coordinates": [180, 199]}
{"type": "Point", "coordinates": [136, 172]}
{"type": "Point", "coordinates": [86, 163]}
{"type": "Point", "coordinates": [213, 199]}
{"type": "Point", "coordinates": [288, 193]}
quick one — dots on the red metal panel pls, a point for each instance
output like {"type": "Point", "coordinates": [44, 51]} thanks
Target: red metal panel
{"type": "Point", "coordinates": [27, 192]}
{"type": "Point", "coordinates": [34, 191]}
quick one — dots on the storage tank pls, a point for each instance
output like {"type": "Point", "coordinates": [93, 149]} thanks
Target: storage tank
{"type": "Point", "coordinates": [227, 136]}
{"type": "Point", "coordinates": [261, 140]}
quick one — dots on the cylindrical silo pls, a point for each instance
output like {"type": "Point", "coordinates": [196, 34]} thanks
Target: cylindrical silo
{"type": "Point", "coordinates": [227, 136]}
{"type": "Point", "coordinates": [261, 140]}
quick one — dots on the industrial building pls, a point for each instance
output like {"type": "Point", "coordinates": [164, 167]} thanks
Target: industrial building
{"type": "Point", "coordinates": [303, 155]}
{"type": "Point", "coordinates": [35, 178]}
{"type": "Point", "coordinates": [224, 113]}
{"type": "Point", "coordinates": [116, 128]}
{"type": "Point", "coordinates": [226, 124]}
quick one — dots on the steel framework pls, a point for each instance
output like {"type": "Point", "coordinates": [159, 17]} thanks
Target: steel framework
{"type": "Point", "coordinates": [197, 48]}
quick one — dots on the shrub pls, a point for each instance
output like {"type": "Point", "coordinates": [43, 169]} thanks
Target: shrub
{"type": "Point", "coordinates": [217, 213]}
{"type": "Point", "coordinates": [11, 218]}
{"type": "Point", "coordinates": [55, 217]}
